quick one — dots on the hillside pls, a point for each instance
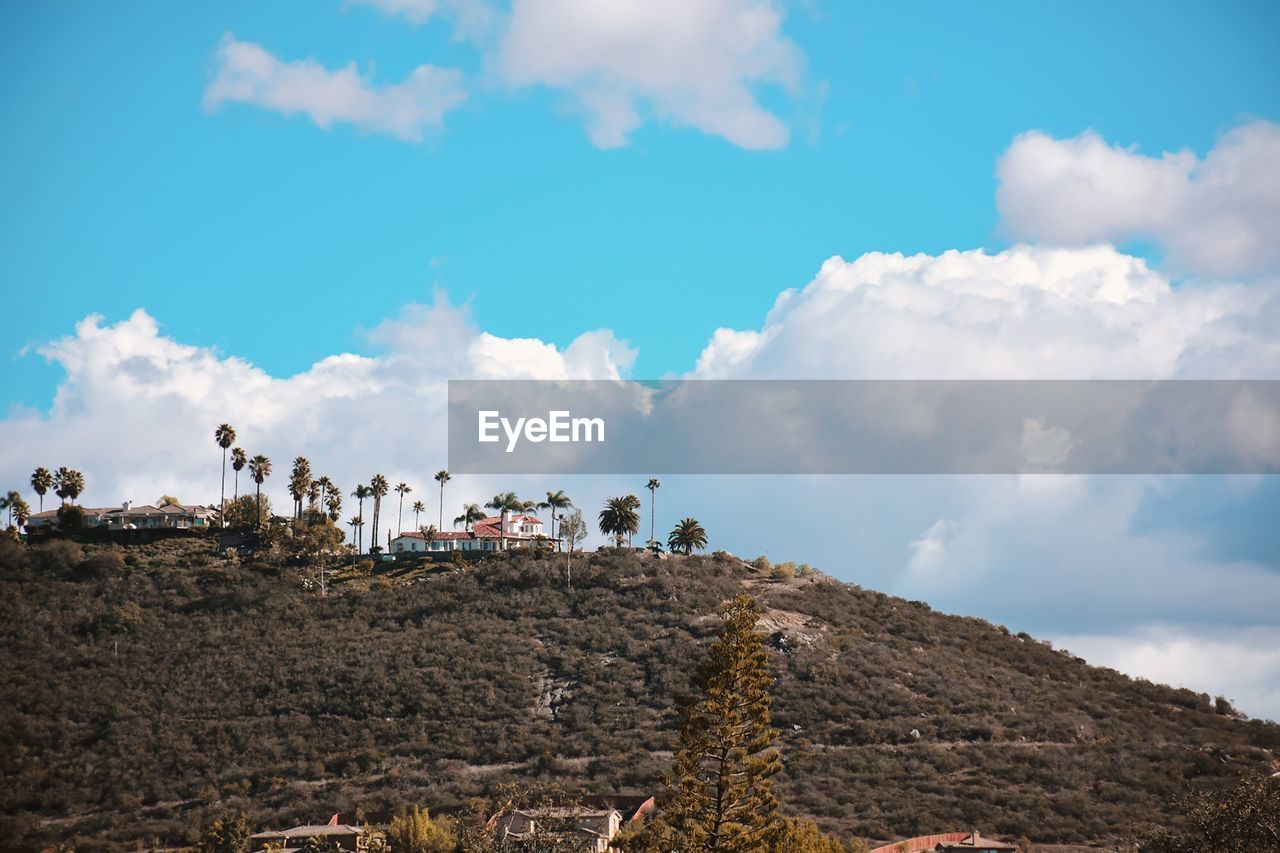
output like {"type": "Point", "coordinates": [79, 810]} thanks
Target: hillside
{"type": "Point", "coordinates": [147, 689]}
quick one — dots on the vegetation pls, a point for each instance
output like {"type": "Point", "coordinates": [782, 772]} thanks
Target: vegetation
{"type": "Point", "coordinates": [653, 485]}
{"type": "Point", "coordinates": [1241, 818]}
{"type": "Point", "coordinates": [224, 436]}
{"type": "Point", "coordinates": [416, 832]}
{"type": "Point", "coordinates": [619, 519]}
{"type": "Point", "coordinates": [259, 471]}
{"type": "Point", "coordinates": [687, 536]}
{"type": "Point", "coordinates": [719, 796]}
{"type": "Point", "coordinates": [151, 689]}
{"type": "Point", "coordinates": [442, 477]}
{"type": "Point", "coordinates": [41, 483]}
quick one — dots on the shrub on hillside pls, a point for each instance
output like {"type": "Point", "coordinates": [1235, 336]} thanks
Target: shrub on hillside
{"type": "Point", "coordinates": [55, 558]}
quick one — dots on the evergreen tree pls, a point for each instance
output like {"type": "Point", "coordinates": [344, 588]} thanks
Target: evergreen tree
{"type": "Point", "coordinates": [719, 796]}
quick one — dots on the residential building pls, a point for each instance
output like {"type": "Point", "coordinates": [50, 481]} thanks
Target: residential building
{"type": "Point", "coordinates": [130, 517]}
{"type": "Point", "coordinates": [490, 534]}
{"type": "Point", "coordinates": [576, 828]}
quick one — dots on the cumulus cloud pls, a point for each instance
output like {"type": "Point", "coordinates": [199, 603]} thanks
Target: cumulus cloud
{"type": "Point", "coordinates": [250, 74]}
{"type": "Point", "coordinates": [1023, 313]}
{"type": "Point", "coordinates": [1218, 215]}
{"type": "Point", "coordinates": [691, 64]}
{"type": "Point", "coordinates": [1050, 554]}
{"type": "Point", "coordinates": [136, 409]}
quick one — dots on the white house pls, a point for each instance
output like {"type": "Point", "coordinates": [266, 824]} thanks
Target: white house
{"type": "Point", "coordinates": [491, 534]}
{"type": "Point", "coordinates": [130, 517]}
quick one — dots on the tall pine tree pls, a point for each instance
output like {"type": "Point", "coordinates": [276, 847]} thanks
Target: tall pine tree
{"type": "Point", "coordinates": [719, 796]}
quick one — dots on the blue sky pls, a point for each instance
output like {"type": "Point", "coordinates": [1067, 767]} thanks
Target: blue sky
{"type": "Point", "coordinates": [566, 188]}
{"type": "Point", "coordinates": [244, 229]}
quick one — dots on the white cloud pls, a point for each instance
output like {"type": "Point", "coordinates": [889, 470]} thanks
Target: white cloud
{"type": "Point", "coordinates": [690, 64]}
{"type": "Point", "coordinates": [248, 73]}
{"type": "Point", "coordinates": [1219, 215]}
{"type": "Point", "coordinates": [137, 409]}
{"type": "Point", "coordinates": [1025, 313]}
{"type": "Point", "coordinates": [1241, 664]}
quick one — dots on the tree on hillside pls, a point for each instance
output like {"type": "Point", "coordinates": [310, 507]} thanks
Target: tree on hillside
{"type": "Point", "coordinates": [402, 489]}
{"type": "Point", "coordinates": [1242, 818]}
{"type": "Point", "coordinates": [619, 519]}
{"type": "Point", "coordinates": [248, 512]}
{"type": "Point", "coordinates": [259, 470]}
{"type": "Point", "coordinates": [229, 834]}
{"type": "Point", "coordinates": [418, 509]}
{"type": "Point", "coordinates": [167, 500]}
{"type": "Point", "coordinates": [299, 484]}
{"type": "Point", "coordinates": [429, 532]}
{"type": "Point", "coordinates": [239, 459]}
{"type": "Point", "coordinates": [326, 488]}
{"type": "Point", "coordinates": [686, 536]}
{"type": "Point", "coordinates": [719, 795]}
{"type": "Point", "coordinates": [442, 477]}
{"type": "Point", "coordinates": [653, 485]}
{"type": "Point", "coordinates": [573, 529]}
{"type": "Point", "coordinates": [333, 502]}
{"type": "Point", "coordinates": [471, 513]}
{"type": "Point", "coordinates": [416, 832]}
{"type": "Point", "coordinates": [555, 502]}
{"type": "Point", "coordinates": [68, 483]}
{"type": "Point", "coordinates": [378, 487]}
{"type": "Point", "coordinates": [361, 492]}
{"type": "Point", "coordinates": [42, 482]}
{"type": "Point", "coordinates": [224, 436]}
{"type": "Point", "coordinates": [357, 535]}
{"type": "Point", "coordinates": [18, 510]}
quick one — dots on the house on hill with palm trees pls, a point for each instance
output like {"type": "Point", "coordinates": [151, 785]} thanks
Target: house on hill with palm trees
{"type": "Point", "coordinates": [492, 533]}
{"type": "Point", "coordinates": [129, 517]}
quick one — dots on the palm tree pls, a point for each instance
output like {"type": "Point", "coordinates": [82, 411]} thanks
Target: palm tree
{"type": "Point", "coordinates": [418, 509]}
{"type": "Point", "coordinates": [402, 488]}
{"type": "Point", "coordinates": [326, 487]}
{"type": "Point", "coordinates": [555, 502]}
{"type": "Point", "coordinates": [471, 513]}
{"type": "Point", "coordinates": [634, 503]}
{"type": "Point", "coordinates": [259, 470]}
{"type": "Point", "coordinates": [313, 496]}
{"type": "Point", "coordinates": [7, 503]}
{"type": "Point", "coordinates": [68, 483]}
{"type": "Point", "coordinates": [357, 535]}
{"type": "Point", "coordinates": [504, 502]}
{"type": "Point", "coordinates": [442, 477]}
{"type": "Point", "coordinates": [653, 485]}
{"type": "Point", "coordinates": [360, 494]}
{"type": "Point", "coordinates": [225, 436]}
{"type": "Point", "coordinates": [619, 519]}
{"type": "Point", "coordinates": [333, 503]}
{"type": "Point", "coordinates": [41, 481]}
{"type": "Point", "coordinates": [378, 487]}
{"type": "Point", "coordinates": [19, 512]}
{"type": "Point", "coordinates": [239, 459]}
{"type": "Point", "coordinates": [686, 536]}
{"type": "Point", "coordinates": [299, 484]}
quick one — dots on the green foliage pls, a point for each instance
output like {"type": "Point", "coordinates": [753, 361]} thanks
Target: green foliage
{"type": "Point", "coordinates": [783, 571]}
{"type": "Point", "coordinates": [228, 834]}
{"type": "Point", "coordinates": [247, 512]}
{"type": "Point", "coordinates": [798, 835]}
{"type": "Point", "coordinates": [719, 796]}
{"type": "Point", "coordinates": [71, 518]}
{"type": "Point", "coordinates": [416, 832]}
{"type": "Point", "coordinates": [619, 518]}
{"type": "Point", "coordinates": [761, 564]}
{"type": "Point", "coordinates": [687, 536]}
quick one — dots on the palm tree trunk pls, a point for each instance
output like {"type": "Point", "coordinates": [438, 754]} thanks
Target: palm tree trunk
{"type": "Point", "coordinates": [399, 517]}
{"type": "Point", "coordinates": [257, 516]}
{"type": "Point", "coordinates": [222, 512]}
{"type": "Point", "coordinates": [440, 526]}
{"type": "Point", "coordinates": [652, 509]}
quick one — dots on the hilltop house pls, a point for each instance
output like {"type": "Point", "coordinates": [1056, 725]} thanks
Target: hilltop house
{"type": "Point", "coordinates": [130, 517]}
{"type": "Point", "coordinates": [587, 824]}
{"type": "Point", "coordinates": [490, 534]}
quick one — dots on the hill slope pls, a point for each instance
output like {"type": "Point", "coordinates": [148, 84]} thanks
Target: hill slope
{"type": "Point", "coordinates": [139, 699]}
